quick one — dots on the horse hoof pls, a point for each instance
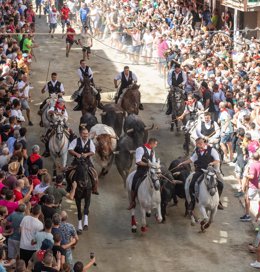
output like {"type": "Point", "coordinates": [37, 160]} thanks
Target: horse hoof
{"type": "Point", "coordinates": [85, 227]}
{"type": "Point", "coordinates": [148, 214]}
{"type": "Point", "coordinates": [171, 129]}
{"type": "Point", "coordinates": [134, 229]}
{"type": "Point", "coordinates": [192, 223]}
{"type": "Point", "coordinates": [144, 229]}
{"type": "Point", "coordinates": [206, 225]}
{"type": "Point", "coordinates": [203, 222]}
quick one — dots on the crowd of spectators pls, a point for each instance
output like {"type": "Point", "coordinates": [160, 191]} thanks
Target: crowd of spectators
{"type": "Point", "coordinates": [224, 76]}
{"type": "Point", "coordinates": [34, 232]}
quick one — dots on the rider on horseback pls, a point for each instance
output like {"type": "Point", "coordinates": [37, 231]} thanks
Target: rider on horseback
{"type": "Point", "coordinates": [52, 87]}
{"type": "Point", "coordinates": [208, 129]}
{"type": "Point", "coordinates": [58, 111]}
{"type": "Point", "coordinates": [83, 147]}
{"type": "Point", "coordinates": [85, 71]}
{"type": "Point", "coordinates": [203, 156]}
{"type": "Point", "coordinates": [144, 158]}
{"type": "Point", "coordinates": [127, 78]}
{"type": "Point", "coordinates": [192, 107]}
{"type": "Point", "coordinates": [176, 78]}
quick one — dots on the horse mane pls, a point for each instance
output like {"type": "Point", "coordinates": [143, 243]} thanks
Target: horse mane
{"type": "Point", "coordinates": [133, 86]}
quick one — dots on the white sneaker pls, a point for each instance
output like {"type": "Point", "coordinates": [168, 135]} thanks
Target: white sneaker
{"type": "Point", "coordinates": [256, 264]}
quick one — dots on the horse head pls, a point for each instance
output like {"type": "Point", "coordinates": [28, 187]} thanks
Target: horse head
{"type": "Point", "coordinates": [154, 173]}
{"type": "Point", "coordinates": [210, 180]}
{"type": "Point", "coordinates": [59, 129]}
{"type": "Point", "coordinates": [81, 172]}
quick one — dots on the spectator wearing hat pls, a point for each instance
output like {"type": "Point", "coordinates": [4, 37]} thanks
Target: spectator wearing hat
{"type": "Point", "coordinates": [29, 227]}
{"type": "Point", "coordinates": [11, 180]}
{"type": "Point", "coordinates": [14, 220]}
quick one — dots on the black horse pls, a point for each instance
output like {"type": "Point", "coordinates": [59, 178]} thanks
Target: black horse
{"type": "Point", "coordinates": [178, 105]}
{"type": "Point", "coordinates": [80, 174]}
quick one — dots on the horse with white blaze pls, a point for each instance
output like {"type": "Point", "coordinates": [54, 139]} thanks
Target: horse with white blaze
{"type": "Point", "coordinates": [148, 195]}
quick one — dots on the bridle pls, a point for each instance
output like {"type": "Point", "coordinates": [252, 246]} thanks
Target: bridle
{"type": "Point", "coordinates": [210, 181]}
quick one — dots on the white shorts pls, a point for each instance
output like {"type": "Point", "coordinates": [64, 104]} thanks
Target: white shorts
{"type": "Point", "coordinates": [25, 104]}
{"type": "Point", "coordinates": [252, 193]}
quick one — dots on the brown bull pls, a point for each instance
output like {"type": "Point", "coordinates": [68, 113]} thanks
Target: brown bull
{"type": "Point", "coordinates": [131, 99]}
{"type": "Point", "coordinates": [104, 146]}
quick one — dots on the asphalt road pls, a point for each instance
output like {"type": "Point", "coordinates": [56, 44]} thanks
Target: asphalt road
{"type": "Point", "coordinates": [173, 246]}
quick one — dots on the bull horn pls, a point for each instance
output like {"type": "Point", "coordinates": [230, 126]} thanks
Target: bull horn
{"type": "Point", "coordinates": [115, 152]}
{"type": "Point", "coordinates": [131, 151]}
{"type": "Point", "coordinates": [119, 111]}
{"type": "Point", "coordinates": [149, 128]}
{"type": "Point", "coordinates": [130, 130]}
{"type": "Point", "coordinates": [84, 125]}
{"type": "Point", "coordinates": [103, 113]}
{"type": "Point", "coordinates": [177, 182]}
{"type": "Point", "coordinates": [114, 137]}
{"type": "Point", "coordinates": [176, 174]}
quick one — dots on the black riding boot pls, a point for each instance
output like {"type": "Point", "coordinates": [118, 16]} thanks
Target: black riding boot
{"type": "Point", "coordinates": [99, 104]}
{"type": "Point", "coordinates": [46, 153]}
{"type": "Point", "coordinates": [79, 101]}
{"type": "Point", "coordinates": [169, 106]}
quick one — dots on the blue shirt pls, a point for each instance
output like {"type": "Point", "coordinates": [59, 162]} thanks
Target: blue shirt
{"type": "Point", "coordinates": [83, 14]}
{"type": "Point", "coordinates": [15, 219]}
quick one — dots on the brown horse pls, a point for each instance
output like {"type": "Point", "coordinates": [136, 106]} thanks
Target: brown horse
{"type": "Point", "coordinates": [89, 101]}
{"type": "Point", "coordinates": [131, 99]}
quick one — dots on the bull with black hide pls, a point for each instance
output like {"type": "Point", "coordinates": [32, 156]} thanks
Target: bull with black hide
{"type": "Point", "coordinates": [113, 116]}
{"type": "Point", "coordinates": [136, 134]}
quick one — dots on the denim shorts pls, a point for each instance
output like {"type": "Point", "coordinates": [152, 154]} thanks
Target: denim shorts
{"type": "Point", "coordinates": [227, 138]}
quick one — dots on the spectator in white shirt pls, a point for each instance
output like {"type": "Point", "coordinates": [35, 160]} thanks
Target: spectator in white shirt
{"type": "Point", "coordinates": [24, 95]}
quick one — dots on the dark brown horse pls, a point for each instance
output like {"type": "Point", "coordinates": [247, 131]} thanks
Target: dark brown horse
{"type": "Point", "coordinates": [89, 101]}
{"type": "Point", "coordinates": [131, 99]}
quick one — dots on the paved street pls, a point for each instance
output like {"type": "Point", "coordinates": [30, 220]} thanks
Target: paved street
{"type": "Point", "coordinates": [173, 246]}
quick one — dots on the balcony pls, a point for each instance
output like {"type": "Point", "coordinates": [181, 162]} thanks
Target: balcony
{"type": "Point", "coordinates": [242, 5]}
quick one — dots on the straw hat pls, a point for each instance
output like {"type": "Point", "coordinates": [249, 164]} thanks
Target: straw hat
{"type": "Point", "coordinates": [13, 168]}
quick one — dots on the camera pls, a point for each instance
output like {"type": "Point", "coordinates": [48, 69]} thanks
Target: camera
{"type": "Point", "coordinates": [92, 255]}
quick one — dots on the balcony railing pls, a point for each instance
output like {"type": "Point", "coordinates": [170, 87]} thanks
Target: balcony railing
{"type": "Point", "coordinates": [242, 5]}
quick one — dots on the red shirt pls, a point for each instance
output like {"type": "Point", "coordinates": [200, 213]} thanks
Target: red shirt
{"type": "Point", "coordinates": [18, 195]}
{"type": "Point", "coordinates": [70, 36]}
{"type": "Point", "coordinates": [65, 13]}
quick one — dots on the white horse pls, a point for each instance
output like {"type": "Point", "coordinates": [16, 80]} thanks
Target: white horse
{"type": "Point", "coordinates": [46, 119]}
{"type": "Point", "coordinates": [148, 195]}
{"type": "Point", "coordinates": [208, 197]}
{"type": "Point", "coordinates": [58, 144]}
